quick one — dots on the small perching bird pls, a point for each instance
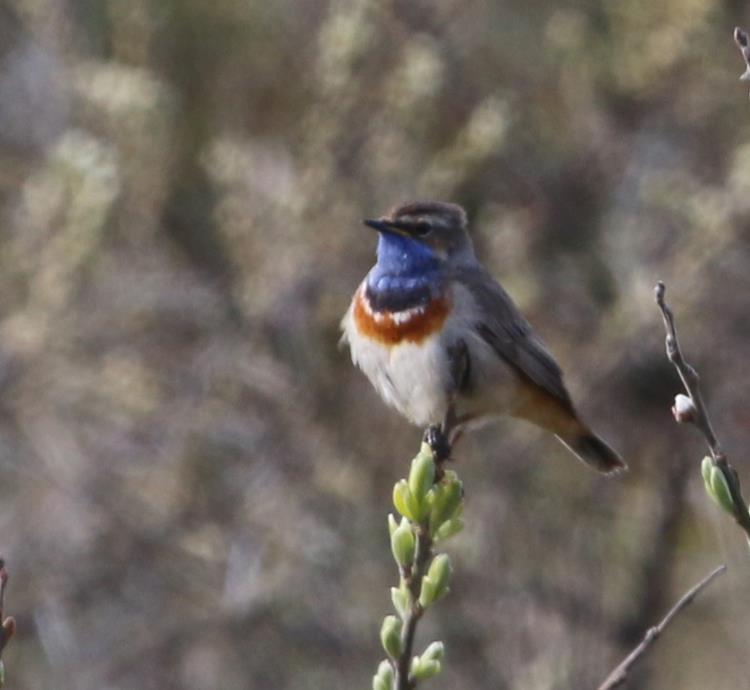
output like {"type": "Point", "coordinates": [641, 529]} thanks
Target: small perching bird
{"type": "Point", "coordinates": [443, 343]}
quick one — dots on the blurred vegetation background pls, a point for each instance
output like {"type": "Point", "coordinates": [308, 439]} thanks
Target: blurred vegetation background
{"type": "Point", "coordinates": [195, 479]}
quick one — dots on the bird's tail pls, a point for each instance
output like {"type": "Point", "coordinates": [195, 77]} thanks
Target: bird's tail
{"type": "Point", "coordinates": [589, 448]}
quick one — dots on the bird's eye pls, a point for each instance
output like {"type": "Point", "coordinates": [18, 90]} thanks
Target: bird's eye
{"type": "Point", "coordinates": [422, 228]}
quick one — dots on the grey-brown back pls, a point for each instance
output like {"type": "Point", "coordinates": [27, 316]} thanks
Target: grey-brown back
{"type": "Point", "coordinates": [503, 326]}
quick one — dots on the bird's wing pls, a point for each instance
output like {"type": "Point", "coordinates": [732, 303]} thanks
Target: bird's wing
{"type": "Point", "coordinates": [502, 326]}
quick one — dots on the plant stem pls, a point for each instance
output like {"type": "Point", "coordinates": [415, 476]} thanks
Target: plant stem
{"type": "Point", "coordinates": [422, 558]}
{"type": "Point", "coordinates": [691, 383]}
{"type": "Point", "coordinates": [620, 674]}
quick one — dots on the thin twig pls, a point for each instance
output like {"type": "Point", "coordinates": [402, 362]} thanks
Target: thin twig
{"type": "Point", "coordinates": [689, 376]}
{"type": "Point", "coordinates": [743, 43]}
{"type": "Point", "coordinates": [620, 674]}
{"type": "Point", "coordinates": [7, 625]}
{"type": "Point", "coordinates": [699, 414]}
{"type": "Point", "coordinates": [422, 558]}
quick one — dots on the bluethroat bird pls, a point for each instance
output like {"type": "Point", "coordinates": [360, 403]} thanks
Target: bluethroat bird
{"type": "Point", "coordinates": [445, 345]}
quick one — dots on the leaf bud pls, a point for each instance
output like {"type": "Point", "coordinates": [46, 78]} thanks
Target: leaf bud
{"type": "Point", "coordinates": [383, 679]}
{"type": "Point", "coordinates": [435, 651]}
{"type": "Point", "coordinates": [706, 465]}
{"type": "Point", "coordinates": [446, 503]}
{"type": "Point", "coordinates": [720, 489]}
{"type": "Point", "coordinates": [421, 476]}
{"type": "Point", "coordinates": [422, 669]}
{"type": "Point", "coordinates": [440, 570]}
{"type": "Point", "coordinates": [428, 592]}
{"type": "Point", "coordinates": [390, 636]}
{"type": "Point", "coordinates": [403, 544]}
{"type": "Point", "coordinates": [448, 529]}
{"type": "Point", "coordinates": [683, 409]}
{"type": "Point", "coordinates": [404, 501]}
{"type": "Point", "coordinates": [400, 601]}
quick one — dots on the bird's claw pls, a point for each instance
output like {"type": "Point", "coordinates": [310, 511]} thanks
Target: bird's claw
{"type": "Point", "coordinates": [438, 442]}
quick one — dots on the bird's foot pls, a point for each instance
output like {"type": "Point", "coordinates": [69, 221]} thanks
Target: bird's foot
{"type": "Point", "coordinates": [438, 442]}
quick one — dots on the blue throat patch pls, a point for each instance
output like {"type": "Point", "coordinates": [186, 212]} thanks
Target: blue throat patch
{"type": "Point", "coordinates": [405, 276]}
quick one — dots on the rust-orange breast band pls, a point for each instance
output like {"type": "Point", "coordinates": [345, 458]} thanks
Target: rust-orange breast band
{"type": "Point", "coordinates": [391, 328]}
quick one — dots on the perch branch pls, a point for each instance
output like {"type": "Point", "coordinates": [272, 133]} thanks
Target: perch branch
{"type": "Point", "coordinates": [430, 503]}
{"type": "Point", "coordinates": [697, 413]}
{"type": "Point", "coordinates": [7, 625]}
{"type": "Point", "coordinates": [689, 376]}
{"type": "Point", "coordinates": [620, 674]}
{"type": "Point", "coordinates": [422, 557]}
{"type": "Point", "coordinates": [743, 43]}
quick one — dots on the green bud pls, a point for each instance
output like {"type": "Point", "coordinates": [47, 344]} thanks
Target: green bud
{"type": "Point", "coordinates": [421, 475]}
{"type": "Point", "coordinates": [383, 679]}
{"type": "Point", "coordinates": [427, 593]}
{"type": "Point", "coordinates": [720, 489]}
{"type": "Point", "coordinates": [390, 636]}
{"type": "Point", "coordinates": [392, 524]}
{"type": "Point", "coordinates": [706, 466]}
{"type": "Point", "coordinates": [404, 501]}
{"type": "Point", "coordinates": [448, 529]}
{"type": "Point", "coordinates": [400, 601]}
{"type": "Point", "coordinates": [403, 543]}
{"type": "Point", "coordinates": [447, 502]}
{"type": "Point", "coordinates": [434, 651]}
{"type": "Point", "coordinates": [435, 497]}
{"type": "Point", "coordinates": [422, 669]}
{"type": "Point", "coordinates": [385, 670]}
{"type": "Point", "coordinates": [2, 673]}
{"type": "Point", "coordinates": [440, 573]}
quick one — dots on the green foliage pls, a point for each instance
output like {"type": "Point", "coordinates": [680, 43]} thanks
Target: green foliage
{"type": "Point", "coordinates": [717, 485]}
{"type": "Point", "coordinates": [422, 474]}
{"type": "Point", "coordinates": [383, 679]}
{"type": "Point", "coordinates": [435, 585]}
{"type": "Point", "coordinates": [422, 669]}
{"type": "Point", "coordinates": [430, 512]}
{"type": "Point", "coordinates": [405, 502]}
{"type": "Point", "coordinates": [445, 505]}
{"type": "Point", "coordinates": [400, 600]}
{"type": "Point", "coordinates": [435, 651]}
{"type": "Point", "coordinates": [403, 543]}
{"type": "Point", "coordinates": [390, 636]}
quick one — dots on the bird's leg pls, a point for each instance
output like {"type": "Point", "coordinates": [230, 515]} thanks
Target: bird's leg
{"type": "Point", "coordinates": [441, 437]}
{"type": "Point", "coordinates": [458, 427]}
{"type": "Point", "coordinates": [456, 433]}
{"type": "Point", "coordinates": [437, 439]}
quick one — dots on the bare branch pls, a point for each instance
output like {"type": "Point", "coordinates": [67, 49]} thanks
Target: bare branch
{"type": "Point", "coordinates": [620, 674]}
{"type": "Point", "coordinates": [7, 625]}
{"type": "Point", "coordinates": [698, 414]}
{"type": "Point", "coordinates": [743, 43]}
{"type": "Point", "coordinates": [689, 376]}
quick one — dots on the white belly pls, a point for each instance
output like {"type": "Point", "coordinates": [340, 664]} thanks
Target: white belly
{"type": "Point", "coordinates": [415, 378]}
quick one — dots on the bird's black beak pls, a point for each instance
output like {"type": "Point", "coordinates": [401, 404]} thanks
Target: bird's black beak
{"type": "Point", "coordinates": [379, 225]}
{"type": "Point", "coordinates": [393, 227]}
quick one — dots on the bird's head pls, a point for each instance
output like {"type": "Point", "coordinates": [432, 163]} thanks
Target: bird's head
{"type": "Point", "coordinates": [431, 228]}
